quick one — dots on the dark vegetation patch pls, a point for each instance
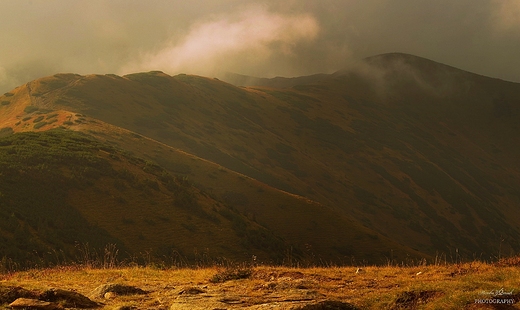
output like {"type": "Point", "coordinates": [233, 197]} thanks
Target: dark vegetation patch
{"type": "Point", "coordinates": [30, 109]}
{"type": "Point", "coordinates": [33, 163]}
{"type": "Point", "coordinates": [234, 272]}
{"type": "Point", "coordinates": [5, 102]}
{"type": "Point", "coordinates": [43, 228]}
{"type": "Point", "coordinates": [55, 83]}
{"type": "Point", "coordinates": [414, 299]}
{"type": "Point", "coordinates": [51, 115]}
{"type": "Point", "coordinates": [38, 119]}
{"type": "Point", "coordinates": [39, 125]}
{"type": "Point", "coordinates": [6, 131]}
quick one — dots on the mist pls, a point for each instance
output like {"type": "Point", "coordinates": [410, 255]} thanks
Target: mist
{"type": "Point", "coordinates": [229, 43]}
{"type": "Point", "coordinates": [260, 38]}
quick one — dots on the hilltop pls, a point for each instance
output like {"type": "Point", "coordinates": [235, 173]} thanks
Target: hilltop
{"type": "Point", "coordinates": [398, 156]}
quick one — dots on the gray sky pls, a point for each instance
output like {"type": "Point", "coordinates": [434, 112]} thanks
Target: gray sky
{"type": "Point", "coordinates": [262, 37]}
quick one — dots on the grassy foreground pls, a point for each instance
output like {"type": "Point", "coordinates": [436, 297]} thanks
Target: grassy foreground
{"type": "Point", "coordinates": [446, 286]}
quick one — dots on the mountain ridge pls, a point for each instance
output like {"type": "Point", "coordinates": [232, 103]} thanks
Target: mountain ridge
{"type": "Point", "coordinates": [419, 153]}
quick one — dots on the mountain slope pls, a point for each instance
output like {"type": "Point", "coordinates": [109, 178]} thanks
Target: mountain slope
{"type": "Point", "coordinates": [273, 225]}
{"type": "Point", "coordinates": [62, 189]}
{"type": "Point", "coordinates": [420, 152]}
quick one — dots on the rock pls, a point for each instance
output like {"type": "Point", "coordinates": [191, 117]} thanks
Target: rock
{"type": "Point", "coordinates": [68, 299]}
{"type": "Point", "coordinates": [9, 294]}
{"type": "Point", "coordinates": [192, 291]}
{"type": "Point", "coordinates": [34, 304]}
{"type": "Point", "coordinates": [110, 295]}
{"type": "Point", "coordinates": [118, 289]}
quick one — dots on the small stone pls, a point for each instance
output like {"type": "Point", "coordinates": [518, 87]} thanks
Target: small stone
{"type": "Point", "coordinates": [34, 304]}
{"type": "Point", "coordinates": [110, 295]}
{"type": "Point", "coordinates": [119, 289]}
{"type": "Point", "coordinates": [192, 291]}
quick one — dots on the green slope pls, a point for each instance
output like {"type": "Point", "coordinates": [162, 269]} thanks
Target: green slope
{"type": "Point", "coordinates": [61, 190]}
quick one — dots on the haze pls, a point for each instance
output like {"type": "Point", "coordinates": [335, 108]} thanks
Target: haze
{"type": "Point", "coordinates": [260, 38]}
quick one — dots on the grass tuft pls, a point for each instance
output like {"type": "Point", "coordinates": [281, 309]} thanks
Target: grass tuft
{"type": "Point", "coordinates": [232, 273]}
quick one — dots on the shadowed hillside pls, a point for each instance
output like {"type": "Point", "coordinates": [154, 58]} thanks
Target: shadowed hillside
{"type": "Point", "coordinates": [400, 147]}
{"type": "Point", "coordinates": [64, 192]}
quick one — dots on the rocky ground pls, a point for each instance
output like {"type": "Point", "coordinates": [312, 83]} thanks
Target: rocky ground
{"type": "Point", "coordinates": [420, 287]}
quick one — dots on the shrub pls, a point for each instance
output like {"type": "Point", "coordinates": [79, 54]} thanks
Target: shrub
{"type": "Point", "coordinates": [30, 109]}
{"type": "Point", "coordinates": [5, 102]}
{"type": "Point", "coordinates": [39, 118]}
{"type": "Point", "coordinates": [39, 125]}
{"type": "Point", "coordinates": [232, 273]}
{"type": "Point", "coordinates": [51, 115]}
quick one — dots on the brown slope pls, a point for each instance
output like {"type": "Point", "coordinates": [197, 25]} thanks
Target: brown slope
{"type": "Point", "coordinates": [63, 190]}
{"type": "Point", "coordinates": [422, 129]}
{"type": "Point", "coordinates": [419, 151]}
{"type": "Point", "coordinates": [314, 233]}
{"type": "Point", "coordinates": [311, 231]}
{"type": "Point", "coordinates": [435, 142]}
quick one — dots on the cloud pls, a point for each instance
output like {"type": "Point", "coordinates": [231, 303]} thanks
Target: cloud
{"type": "Point", "coordinates": [247, 40]}
{"type": "Point", "coordinates": [507, 15]}
{"type": "Point", "coordinates": [253, 37]}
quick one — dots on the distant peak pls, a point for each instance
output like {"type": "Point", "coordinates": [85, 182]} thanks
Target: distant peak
{"type": "Point", "coordinates": [395, 61]}
{"type": "Point", "coordinates": [396, 56]}
{"type": "Point", "coordinates": [149, 73]}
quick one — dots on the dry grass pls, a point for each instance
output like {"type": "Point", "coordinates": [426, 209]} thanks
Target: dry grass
{"type": "Point", "coordinates": [385, 287]}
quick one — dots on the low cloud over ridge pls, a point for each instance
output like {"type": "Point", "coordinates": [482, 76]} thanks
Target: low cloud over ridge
{"type": "Point", "coordinates": [230, 42]}
{"type": "Point", "coordinates": [253, 37]}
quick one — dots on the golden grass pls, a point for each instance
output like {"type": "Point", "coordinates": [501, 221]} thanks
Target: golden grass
{"type": "Point", "coordinates": [452, 286]}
